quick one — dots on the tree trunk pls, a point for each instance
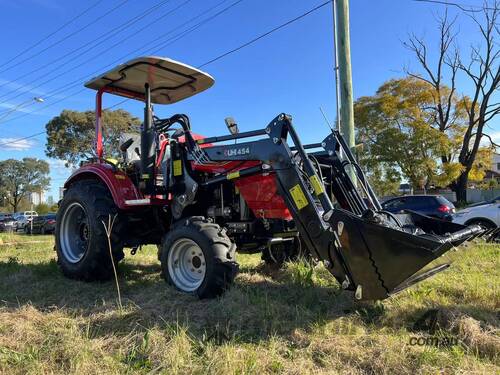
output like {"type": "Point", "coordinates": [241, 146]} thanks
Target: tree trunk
{"type": "Point", "coordinates": [460, 188]}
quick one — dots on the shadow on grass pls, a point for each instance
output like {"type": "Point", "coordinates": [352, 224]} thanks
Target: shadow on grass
{"type": "Point", "coordinates": [261, 304]}
{"type": "Point", "coordinates": [255, 308]}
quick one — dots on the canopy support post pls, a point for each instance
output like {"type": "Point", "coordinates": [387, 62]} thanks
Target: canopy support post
{"type": "Point", "coordinates": [98, 123]}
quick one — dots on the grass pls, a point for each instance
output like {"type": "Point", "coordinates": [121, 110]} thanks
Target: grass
{"type": "Point", "coordinates": [291, 321]}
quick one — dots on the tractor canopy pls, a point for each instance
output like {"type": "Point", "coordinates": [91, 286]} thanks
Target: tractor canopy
{"type": "Point", "coordinates": [170, 81]}
{"type": "Point", "coordinates": [150, 79]}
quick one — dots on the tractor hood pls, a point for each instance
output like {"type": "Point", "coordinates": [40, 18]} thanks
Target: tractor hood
{"type": "Point", "coordinates": [170, 81]}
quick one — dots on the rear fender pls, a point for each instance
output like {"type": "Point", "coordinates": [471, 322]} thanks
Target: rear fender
{"type": "Point", "coordinates": [119, 184]}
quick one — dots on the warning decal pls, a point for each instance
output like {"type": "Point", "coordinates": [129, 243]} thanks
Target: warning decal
{"type": "Point", "coordinates": [178, 167]}
{"type": "Point", "coordinates": [298, 197]}
{"type": "Point", "coordinates": [317, 185]}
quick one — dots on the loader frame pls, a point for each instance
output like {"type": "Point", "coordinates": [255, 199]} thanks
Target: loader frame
{"type": "Point", "coordinates": [358, 242]}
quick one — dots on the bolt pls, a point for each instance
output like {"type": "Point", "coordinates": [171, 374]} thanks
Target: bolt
{"type": "Point", "coordinates": [330, 153]}
{"type": "Point", "coordinates": [193, 253]}
{"type": "Point", "coordinates": [276, 140]}
{"type": "Point", "coordinates": [189, 261]}
{"type": "Point", "coordinates": [268, 130]}
{"type": "Point", "coordinates": [199, 271]}
{"type": "Point", "coordinates": [202, 263]}
{"type": "Point", "coordinates": [359, 292]}
{"type": "Point", "coordinates": [327, 215]}
{"type": "Point", "coordinates": [345, 284]}
{"type": "Point", "coordinates": [192, 269]}
{"type": "Point", "coordinates": [327, 263]}
{"type": "Point", "coordinates": [323, 144]}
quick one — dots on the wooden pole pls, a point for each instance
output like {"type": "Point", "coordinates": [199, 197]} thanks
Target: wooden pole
{"type": "Point", "coordinates": [345, 72]}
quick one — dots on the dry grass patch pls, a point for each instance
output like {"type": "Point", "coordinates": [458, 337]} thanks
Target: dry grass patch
{"type": "Point", "coordinates": [292, 321]}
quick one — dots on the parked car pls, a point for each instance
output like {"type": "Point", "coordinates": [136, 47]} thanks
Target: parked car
{"type": "Point", "coordinates": [431, 205]}
{"type": "Point", "coordinates": [494, 200]}
{"type": "Point", "coordinates": [23, 218]}
{"type": "Point", "coordinates": [42, 224]}
{"type": "Point", "coordinates": [7, 223]}
{"type": "Point", "coordinates": [488, 216]}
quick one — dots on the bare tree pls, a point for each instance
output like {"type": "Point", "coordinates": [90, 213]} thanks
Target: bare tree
{"type": "Point", "coordinates": [482, 68]}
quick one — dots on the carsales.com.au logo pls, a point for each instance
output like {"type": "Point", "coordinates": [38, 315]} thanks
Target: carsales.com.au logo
{"type": "Point", "coordinates": [434, 341]}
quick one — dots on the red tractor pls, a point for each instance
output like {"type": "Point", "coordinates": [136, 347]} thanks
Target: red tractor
{"type": "Point", "coordinates": [201, 199]}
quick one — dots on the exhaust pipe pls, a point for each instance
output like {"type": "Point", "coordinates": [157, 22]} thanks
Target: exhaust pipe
{"type": "Point", "coordinates": [147, 144]}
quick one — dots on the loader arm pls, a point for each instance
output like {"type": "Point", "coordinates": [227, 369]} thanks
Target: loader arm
{"type": "Point", "coordinates": [368, 251]}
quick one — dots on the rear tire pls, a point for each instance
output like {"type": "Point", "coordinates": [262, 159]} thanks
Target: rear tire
{"type": "Point", "coordinates": [277, 255]}
{"type": "Point", "coordinates": [81, 241]}
{"type": "Point", "coordinates": [198, 257]}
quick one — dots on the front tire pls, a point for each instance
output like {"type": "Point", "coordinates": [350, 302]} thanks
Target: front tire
{"type": "Point", "coordinates": [81, 241]}
{"type": "Point", "coordinates": [198, 257]}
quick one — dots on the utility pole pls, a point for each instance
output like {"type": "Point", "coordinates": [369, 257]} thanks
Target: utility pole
{"type": "Point", "coordinates": [343, 61]}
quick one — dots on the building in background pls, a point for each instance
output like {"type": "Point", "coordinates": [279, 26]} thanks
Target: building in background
{"type": "Point", "coordinates": [494, 172]}
{"type": "Point", "coordinates": [36, 197]}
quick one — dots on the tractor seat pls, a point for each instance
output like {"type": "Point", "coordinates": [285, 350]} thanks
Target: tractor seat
{"type": "Point", "coordinates": [130, 155]}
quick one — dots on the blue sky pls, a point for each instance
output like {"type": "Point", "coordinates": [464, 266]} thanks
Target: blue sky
{"type": "Point", "coordinates": [289, 71]}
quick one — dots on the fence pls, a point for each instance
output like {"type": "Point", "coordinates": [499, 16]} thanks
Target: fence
{"type": "Point", "coordinates": [476, 195]}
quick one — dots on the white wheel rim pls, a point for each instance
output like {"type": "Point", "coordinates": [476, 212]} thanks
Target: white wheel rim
{"type": "Point", "coordinates": [186, 265]}
{"type": "Point", "coordinates": [74, 233]}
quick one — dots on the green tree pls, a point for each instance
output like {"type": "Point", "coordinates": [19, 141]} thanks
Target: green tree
{"type": "Point", "coordinates": [42, 208]}
{"type": "Point", "coordinates": [384, 180]}
{"type": "Point", "coordinates": [18, 178]}
{"type": "Point", "coordinates": [71, 135]}
{"type": "Point", "coordinates": [394, 127]}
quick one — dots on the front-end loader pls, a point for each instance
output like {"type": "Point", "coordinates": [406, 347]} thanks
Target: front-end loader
{"type": "Point", "coordinates": [201, 199]}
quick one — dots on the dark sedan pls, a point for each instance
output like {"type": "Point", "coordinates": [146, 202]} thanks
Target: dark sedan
{"type": "Point", "coordinates": [430, 205]}
{"type": "Point", "coordinates": [43, 224]}
{"type": "Point", "coordinates": [7, 223]}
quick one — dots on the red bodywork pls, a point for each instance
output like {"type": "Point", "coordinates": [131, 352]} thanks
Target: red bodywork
{"type": "Point", "coordinates": [118, 183]}
{"type": "Point", "coordinates": [260, 191]}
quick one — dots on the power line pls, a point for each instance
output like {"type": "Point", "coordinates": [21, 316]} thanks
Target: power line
{"type": "Point", "coordinates": [66, 37]}
{"type": "Point", "coordinates": [182, 34]}
{"type": "Point", "coordinates": [252, 40]}
{"type": "Point", "coordinates": [53, 32]}
{"type": "Point", "coordinates": [224, 54]}
{"type": "Point", "coordinates": [21, 139]}
{"type": "Point", "coordinates": [46, 106]}
{"type": "Point", "coordinates": [107, 35]}
{"type": "Point", "coordinates": [265, 34]}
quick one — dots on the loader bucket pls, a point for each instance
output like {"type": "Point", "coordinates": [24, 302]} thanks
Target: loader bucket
{"type": "Point", "coordinates": [384, 260]}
